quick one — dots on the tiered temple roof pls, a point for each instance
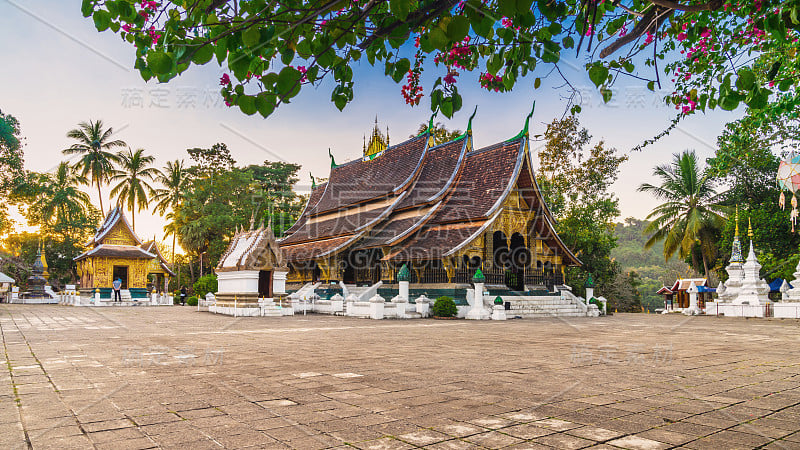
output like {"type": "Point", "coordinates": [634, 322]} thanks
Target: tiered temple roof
{"type": "Point", "coordinates": [423, 201]}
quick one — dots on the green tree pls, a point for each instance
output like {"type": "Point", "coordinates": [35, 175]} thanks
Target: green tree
{"type": "Point", "coordinates": [440, 133]}
{"type": "Point", "coordinates": [746, 164]}
{"type": "Point", "coordinates": [134, 177]}
{"type": "Point", "coordinates": [174, 181]}
{"type": "Point", "coordinates": [94, 145]}
{"type": "Point", "coordinates": [211, 211]}
{"type": "Point", "coordinates": [209, 161]}
{"type": "Point", "coordinates": [11, 162]}
{"type": "Point", "coordinates": [691, 216]}
{"type": "Point", "coordinates": [274, 50]}
{"type": "Point", "coordinates": [276, 201]}
{"type": "Point", "coordinates": [576, 181]}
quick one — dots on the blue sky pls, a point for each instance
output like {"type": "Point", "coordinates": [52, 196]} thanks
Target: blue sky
{"type": "Point", "coordinates": [58, 70]}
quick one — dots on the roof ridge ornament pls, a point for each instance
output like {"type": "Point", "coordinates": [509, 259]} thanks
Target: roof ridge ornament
{"type": "Point", "coordinates": [333, 161]}
{"type": "Point", "coordinates": [430, 124]}
{"type": "Point", "coordinates": [313, 182]}
{"type": "Point", "coordinates": [524, 132]}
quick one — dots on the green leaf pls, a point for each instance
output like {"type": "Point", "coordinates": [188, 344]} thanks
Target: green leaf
{"type": "Point", "coordinates": [400, 69]}
{"type": "Point", "coordinates": [447, 107]}
{"type": "Point", "coordinates": [102, 19]}
{"type": "Point", "coordinates": [606, 93]}
{"type": "Point", "coordinates": [536, 83]}
{"type": "Point", "coordinates": [400, 8]}
{"type": "Point", "coordinates": [87, 8]}
{"type": "Point", "coordinates": [265, 105]}
{"type": "Point", "coordinates": [568, 42]}
{"type": "Point", "coordinates": [729, 102]}
{"type": "Point", "coordinates": [247, 104]}
{"type": "Point", "coordinates": [251, 37]}
{"type": "Point", "coordinates": [495, 62]}
{"type": "Point", "coordinates": [159, 62]}
{"type": "Point", "coordinates": [458, 28]}
{"type": "Point", "coordinates": [773, 70]}
{"type": "Point", "coordinates": [651, 85]}
{"type": "Point", "coordinates": [785, 85]}
{"type": "Point", "coordinates": [483, 27]}
{"type": "Point", "coordinates": [598, 74]}
{"type": "Point", "coordinates": [438, 39]}
{"type": "Point", "coordinates": [203, 54]}
{"type": "Point", "coordinates": [221, 50]}
{"type": "Point", "coordinates": [287, 79]}
{"type": "Point", "coordinates": [745, 79]}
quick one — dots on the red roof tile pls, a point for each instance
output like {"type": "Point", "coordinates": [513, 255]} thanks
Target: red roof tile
{"type": "Point", "coordinates": [359, 181]}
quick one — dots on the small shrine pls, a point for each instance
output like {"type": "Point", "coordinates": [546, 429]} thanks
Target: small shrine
{"type": "Point", "coordinates": [677, 298]}
{"type": "Point", "coordinates": [116, 252]}
{"type": "Point", "coordinates": [251, 274]}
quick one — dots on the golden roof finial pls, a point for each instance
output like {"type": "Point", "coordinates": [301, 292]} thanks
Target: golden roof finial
{"type": "Point", "coordinates": [749, 229]}
{"type": "Point", "coordinates": [737, 221]}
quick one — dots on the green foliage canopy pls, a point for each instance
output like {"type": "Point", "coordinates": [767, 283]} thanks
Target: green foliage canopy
{"type": "Point", "coordinates": [275, 49]}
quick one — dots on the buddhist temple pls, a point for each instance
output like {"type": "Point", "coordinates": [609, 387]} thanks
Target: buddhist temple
{"type": "Point", "coordinates": [444, 210]}
{"type": "Point", "coordinates": [116, 251]}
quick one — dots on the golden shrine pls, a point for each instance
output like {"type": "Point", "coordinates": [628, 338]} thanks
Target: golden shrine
{"type": "Point", "coordinates": [117, 252]}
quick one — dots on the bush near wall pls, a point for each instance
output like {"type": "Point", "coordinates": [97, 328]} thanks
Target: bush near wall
{"type": "Point", "coordinates": [444, 306]}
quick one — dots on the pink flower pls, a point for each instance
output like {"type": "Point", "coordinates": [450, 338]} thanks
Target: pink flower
{"type": "Point", "coordinates": [127, 28]}
{"type": "Point", "coordinates": [225, 80]}
{"type": "Point", "coordinates": [450, 78]}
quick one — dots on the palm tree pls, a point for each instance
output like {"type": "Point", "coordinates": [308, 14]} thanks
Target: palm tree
{"type": "Point", "coordinates": [93, 145]}
{"type": "Point", "coordinates": [174, 180]}
{"type": "Point", "coordinates": [60, 199]}
{"type": "Point", "coordinates": [134, 175]}
{"type": "Point", "coordinates": [690, 213]}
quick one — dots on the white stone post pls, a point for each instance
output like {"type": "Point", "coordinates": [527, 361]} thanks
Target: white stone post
{"type": "Point", "coordinates": [154, 297]}
{"type": "Point", "coordinates": [400, 306]}
{"type": "Point", "coordinates": [423, 304]}
{"type": "Point", "coordinates": [337, 304]}
{"type": "Point", "coordinates": [403, 278]}
{"type": "Point", "coordinates": [478, 312]}
{"type": "Point", "coordinates": [279, 282]}
{"type": "Point", "coordinates": [693, 309]}
{"type": "Point", "coordinates": [498, 309]}
{"type": "Point", "coordinates": [97, 297]}
{"type": "Point", "coordinates": [376, 304]}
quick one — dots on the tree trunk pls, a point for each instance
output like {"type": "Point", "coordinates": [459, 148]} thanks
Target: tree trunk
{"type": "Point", "coordinates": [133, 219]}
{"type": "Point", "coordinates": [100, 197]}
{"type": "Point", "coordinates": [705, 261]}
{"type": "Point", "coordinates": [173, 250]}
{"type": "Point", "coordinates": [191, 270]}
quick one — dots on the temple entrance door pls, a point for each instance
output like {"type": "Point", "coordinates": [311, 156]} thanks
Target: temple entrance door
{"type": "Point", "coordinates": [519, 259]}
{"type": "Point", "coordinates": [265, 283]}
{"type": "Point", "coordinates": [120, 272]}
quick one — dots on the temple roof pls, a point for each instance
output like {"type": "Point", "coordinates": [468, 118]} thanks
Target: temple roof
{"type": "Point", "coordinates": [117, 251]}
{"type": "Point", "coordinates": [152, 247]}
{"type": "Point", "coordinates": [362, 180]}
{"type": "Point", "coordinates": [252, 250]}
{"type": "Point", "coordinates": [114, 217]}
{"type": "Point", "coordinates": [424, 202]}
{"type": "Point", "coordinates": [683, 284]}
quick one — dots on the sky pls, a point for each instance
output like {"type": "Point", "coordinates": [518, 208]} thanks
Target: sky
{"type": "Point", "coordinates": [57, 70]}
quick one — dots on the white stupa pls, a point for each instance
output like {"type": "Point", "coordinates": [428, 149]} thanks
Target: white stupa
{"type": "Point", "coordinates": [729, 290]}
{"type": "Point", "coordinates": [793, 294]}
{"type": "Point", "coordinates": [753, 290]}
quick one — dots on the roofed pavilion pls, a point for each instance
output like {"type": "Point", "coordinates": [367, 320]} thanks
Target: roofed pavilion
{"type": "Point", "coordinates": [444, 210]}
{"type": "Point", "coordinates": [116, 251]}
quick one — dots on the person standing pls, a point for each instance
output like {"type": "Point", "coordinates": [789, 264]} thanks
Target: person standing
{"type": "Point", "coordinates": [117, 284]}
{"type": "Point", "coordinates": [183, 295]}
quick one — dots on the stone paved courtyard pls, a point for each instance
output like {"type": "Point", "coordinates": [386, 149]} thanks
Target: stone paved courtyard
{"type": "Point", "coordinates": [128, 378]}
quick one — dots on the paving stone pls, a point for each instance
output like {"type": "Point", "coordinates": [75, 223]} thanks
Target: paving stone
{"type": "Point", "coordinates": [337, 387]}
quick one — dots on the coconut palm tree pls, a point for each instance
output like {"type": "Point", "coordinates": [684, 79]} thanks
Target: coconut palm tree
{"type": "Point", "coordinates": [134, 177]}
{"type": "Point", "coordinates": [94, 144]}
{"type": "Point", "coordinates": [691, 211]}
{"type": "Point", "coordinates": [59, 199]}
{"type": "Point", "coordinates": [174, 180]}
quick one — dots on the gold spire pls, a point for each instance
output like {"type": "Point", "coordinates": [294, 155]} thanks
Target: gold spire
{"type": "Point", "coordinates": [737, 221]}
{"type": "Point", "coordinates": [749, 229]}
{"type": "Point", "coordinates": [378, 142]}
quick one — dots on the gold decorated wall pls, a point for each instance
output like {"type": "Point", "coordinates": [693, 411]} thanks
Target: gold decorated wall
{"type": "Point", "coordinates": [98, 272]}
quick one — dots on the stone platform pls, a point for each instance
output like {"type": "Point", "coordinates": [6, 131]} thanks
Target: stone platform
{"type": "Point", "coordinates": [175, 378]}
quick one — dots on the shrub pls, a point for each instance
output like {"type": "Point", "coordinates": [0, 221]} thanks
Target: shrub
{"type": "Point", "coordinates": [191, 301]}
{"type": "Point", "coordinates": [597, 302]}
{"type": "Point", "coordinates": [205, 284]}
{"type": "Point", "coordinates": [444, 307]}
